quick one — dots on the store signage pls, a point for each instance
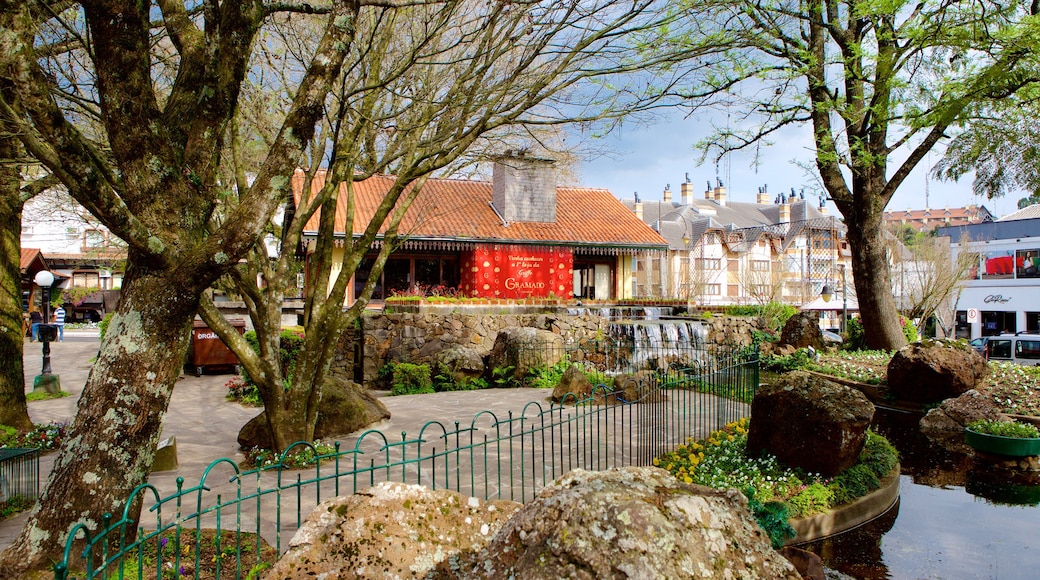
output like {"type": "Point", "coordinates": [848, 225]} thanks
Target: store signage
{"type": "Point", "coordinates": [996, 298]}
{"type": "Point", "coordinates": [517, 272]}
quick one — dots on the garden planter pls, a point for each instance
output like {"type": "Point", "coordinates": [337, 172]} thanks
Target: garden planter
{"type": "Point", "coordinates": [998, 445]}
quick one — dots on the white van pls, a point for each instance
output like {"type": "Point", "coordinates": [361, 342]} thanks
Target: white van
{"type": "Point", "coordinates": [1023, 349]}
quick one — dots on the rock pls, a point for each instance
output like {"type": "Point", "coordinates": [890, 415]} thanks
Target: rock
{"type": "Point", "coordinates": [934, 370]}
{"type": "Point", "coordinates": [638, 388]}
{"type": "Point", "coordinates": [525, 349]}
{"type": "Point", "coordinates": [464, 363]}
{"type": "Point", "coordinates": [573, 387]}
{"type": "Point", "coordinates": [809, 422]}
{"type": "Point", "coordinates": [392, 530]}
{"type": "Point", "coordinates": [345, 407]}
{"type": "Point", "coordinates": [633, 522]}
{"type": "Point", "coordinates": [802, 330]}
{"type": "Point", "coordinates": [809, 565]}
{"type": "Point", "coordinates": [945, 424]}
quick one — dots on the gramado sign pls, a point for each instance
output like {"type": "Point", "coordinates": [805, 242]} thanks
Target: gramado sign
{"type": "Point", "coordinates": [512, 272]}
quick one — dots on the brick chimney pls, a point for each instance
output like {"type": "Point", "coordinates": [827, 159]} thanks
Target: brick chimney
{"type": "Point", "coordinates": [720, 195]}
{"type": "Point", "coordinates": [785, 211]}
{"type": "Point", "coordinates": [686, 189]}
{"type": "Point", "coordinates": [524, 188]}
{"type": "Point", "coordinates": [638, 208]}
{"type": "Point", "coordinates": [666, 196]}
{"type": "Point", "coordinates": [762, 198]}
{"type": "Point", "coordinates": [709, 193]}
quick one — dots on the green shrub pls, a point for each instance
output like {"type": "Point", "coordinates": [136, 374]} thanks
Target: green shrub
{"type": "Point", "coordinates": [799, 359]}
{"type": "Point", "coordinates": [547, 377]}
{"type": "Point", "coordinates": [855, 339]}
{"type": "Point", "coordinates": [909, 329]}
{"type": "Point", "coordinates": [103, 325]}
{"type": "Point", "coordinates": [410, 379]}
{"type": "Point", "coordinates": [775, 314]}
{"type": "Point", "coordinates": [1005, 429]}
{"type": "Point", "coordinates": [772, 516]}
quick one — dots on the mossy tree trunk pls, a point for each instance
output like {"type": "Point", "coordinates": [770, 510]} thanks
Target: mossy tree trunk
{"type": "Point", "coordinates": [13, 410]}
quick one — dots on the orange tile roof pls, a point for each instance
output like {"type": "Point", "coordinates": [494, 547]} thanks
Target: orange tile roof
{"type": "Point", "coordinates": [28, 256]}
{"type": "Point", "coordinates": [459, 210]}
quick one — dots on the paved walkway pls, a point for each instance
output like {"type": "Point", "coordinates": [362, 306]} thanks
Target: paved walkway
{"type": "Point", "coordinates": [206, 425]}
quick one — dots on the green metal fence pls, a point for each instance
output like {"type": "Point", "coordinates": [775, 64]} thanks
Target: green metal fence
{"type": "Point", "coordinates": [212, 529]}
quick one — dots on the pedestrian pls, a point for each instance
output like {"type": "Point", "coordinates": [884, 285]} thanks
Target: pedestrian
{"type": "Point", "coordinates": [58, 318]}
{"type": "Point", "coordinates": [35, 320]}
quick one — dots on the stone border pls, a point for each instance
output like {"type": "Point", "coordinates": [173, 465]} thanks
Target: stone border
{"type": "Point", "coordinates": [850, 515]}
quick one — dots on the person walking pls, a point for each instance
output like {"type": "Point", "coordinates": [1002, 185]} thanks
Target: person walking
{"type": "Point", "coordinates": [58, 318]}
{"type": "Point", "coordinates": [35, 320]}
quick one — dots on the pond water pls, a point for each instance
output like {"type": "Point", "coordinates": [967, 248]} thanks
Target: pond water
{"type": "Point", "coordinates": [956, 518]}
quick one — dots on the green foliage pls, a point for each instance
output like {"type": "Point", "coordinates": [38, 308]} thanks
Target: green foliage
{"type": "Point", "coordinates": [503, 376]}
{"type": "Point", "coordinates": [408, 378]}
{"type": "Point", "coordinates": [14, 505]}
{"type": "Point", "coordinates": [242, 392]}
{"type": "Point", "coordinates": [1005, 429]}
{"type": "Point", "coordinates": [799, 359]}
{"type": "Point", "coordinates": [772, 516]}
{"type": "Point", "coordinates": [290, 342]}
{"type": "Point", "coordinates": [445, 380]}
{"type": "Point", "coordinates": [547, 377]}
{"type": "Point", "coordinates": [44, 436]}
{"type": "Point", "coordinates": [300, 457]}
{"type": "Point", "coordinates": [721, 461]}
{"type": "Point", "coordinates": [103, 325]}
{"type": "Point", "coordinates": [909, 329]}
{"type": "Point", "coordinates": [45, 396]}
{"type": "Point", "coordinates": [855, 339]}
{"type": "Point", "coordinates": [73, 295]}
{"type": "Point", "coordinates": [775, 314]}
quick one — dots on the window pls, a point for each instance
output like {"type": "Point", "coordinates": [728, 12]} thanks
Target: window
{"type": "Point", "coordinates": [760, 265]}
{"type": "Point", "coordinates": [1027, 349]}
{"type": "Point", "coordinates": [999, 348]}
{"type": "Point", "coordinates": [711, 264]}
{"type": "Point", "coordinates": [713, 289]}
{"type": "Point", "coordinates": [86, 280]}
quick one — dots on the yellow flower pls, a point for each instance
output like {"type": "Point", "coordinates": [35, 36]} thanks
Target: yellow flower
{"type": "Point", "coordinates": [688, 479]}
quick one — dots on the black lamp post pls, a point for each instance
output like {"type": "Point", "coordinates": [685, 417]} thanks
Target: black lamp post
{"type": "Point", "coordinates": [828, 293]}
{"type": "Point", "coordinates": [47, 333]}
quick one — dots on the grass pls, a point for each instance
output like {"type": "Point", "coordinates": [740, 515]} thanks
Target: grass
{"type": "Point", "coordinates": [45, 396]}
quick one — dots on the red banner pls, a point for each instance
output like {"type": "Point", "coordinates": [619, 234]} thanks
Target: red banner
{"type": "Point", "coordinates": [518, 272]}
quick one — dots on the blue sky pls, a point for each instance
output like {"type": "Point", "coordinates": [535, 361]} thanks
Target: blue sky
{"type": "Point", "coordinates": [645, 158]}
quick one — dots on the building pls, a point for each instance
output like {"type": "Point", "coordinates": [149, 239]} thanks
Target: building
{"type": "Point", "coordinates": [723, 252]}
{"type": "Point", "coordinates": [518, 236]}
{"type": "Point", "coordinates": [1002, 291]}
{"type": "Point", "coordinates": [926, 220]}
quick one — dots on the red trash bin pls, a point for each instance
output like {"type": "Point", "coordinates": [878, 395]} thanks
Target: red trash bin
{"type": "Point", "coordinates": [207, 352]}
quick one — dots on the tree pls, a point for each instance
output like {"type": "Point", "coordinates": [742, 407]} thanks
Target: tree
{"type": "Point", "coordinates": [431, 90]}
{"type": "Point", "coordinates": [1001, 147]}
{"type": "Point", "coordinates": [928, 278]}
{"type": "Point", "coordinates": [13, 410]}
{"type": "Point", "coordinates": [133, 117]}
{"type": "Point", "coordinates": [879, 84]}
{"type": "Point", "coordinates": [133, 128]}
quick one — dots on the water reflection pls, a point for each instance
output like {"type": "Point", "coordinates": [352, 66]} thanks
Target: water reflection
{"type": "Point", "coordinates": [955, 518]}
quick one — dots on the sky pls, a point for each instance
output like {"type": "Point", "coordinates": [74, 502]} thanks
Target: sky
{"type": "Point", "coordinates": [644, 159]}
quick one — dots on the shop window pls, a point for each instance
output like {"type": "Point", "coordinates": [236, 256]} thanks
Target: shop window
{"type": "Point", "coordinates": [999, 264]}
{"type": "Point", "coordinates": [1027, 263]}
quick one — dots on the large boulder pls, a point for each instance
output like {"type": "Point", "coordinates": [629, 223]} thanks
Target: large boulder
{"type": "Point", "coordinates": [945, 424]}
{"type": "Point", "coordinates": [463, 363]}
{"type": "Point", "coordinates": [573, 387]}
{"type": "Point", "coordinates": [633, 522]}
{"type": "Point", "coordinates": [525, 349]}
{"type": "Point", "coordinates": [803, 330]}
{"type": "Point", "coordinates": [640, 387]}
{"type": "Point", "coordinates": [392, 530]}
{"type": "Point", "coordinates": [345, 407]}
{"type": "Point", "coordinates": [809, 422]}
{"type": "Point", "coordinates": [934, 370]}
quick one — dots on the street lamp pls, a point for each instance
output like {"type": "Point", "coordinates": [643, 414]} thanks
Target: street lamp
{"type": "Point", "coordinates": [47, 332]}
{"type": "Point", "coordinates": [827, 293]}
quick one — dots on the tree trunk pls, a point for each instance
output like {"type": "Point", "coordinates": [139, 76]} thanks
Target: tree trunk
{"type": "Point", "coordinates": [127, 392]}
{"type": "Point", "coordinates": [13, 411]}
{"type": "Point", "coordinates": [877, 307]}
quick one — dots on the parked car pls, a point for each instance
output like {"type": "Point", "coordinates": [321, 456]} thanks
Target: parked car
{"type": "Point", "coordinates": [1023, 349]}
{"type": "Point", "coordinates": [979, 344]}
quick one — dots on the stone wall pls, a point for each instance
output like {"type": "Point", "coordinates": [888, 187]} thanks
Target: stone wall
{"type": "Point", "coordinates": [417, 337]}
